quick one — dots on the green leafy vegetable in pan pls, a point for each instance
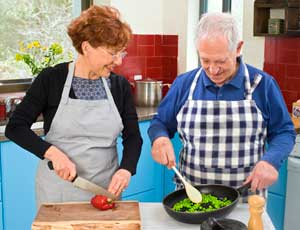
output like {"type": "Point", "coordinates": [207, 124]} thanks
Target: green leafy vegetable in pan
{"type": "Point", "coordinates": [209, 203]}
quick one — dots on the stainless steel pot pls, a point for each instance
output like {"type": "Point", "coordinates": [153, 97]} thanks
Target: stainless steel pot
{"type": "Point", "coordinates": [148, 92]}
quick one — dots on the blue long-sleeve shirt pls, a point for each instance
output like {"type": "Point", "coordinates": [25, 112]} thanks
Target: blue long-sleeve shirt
{"type": "Point", "coordinates": [280, 129]}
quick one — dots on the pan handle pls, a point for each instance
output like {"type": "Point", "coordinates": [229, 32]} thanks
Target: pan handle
{"type": "Point", "coordinates": [244, 188]}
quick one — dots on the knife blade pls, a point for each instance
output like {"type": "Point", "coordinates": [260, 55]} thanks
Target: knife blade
{"type": "Point", "coordinates": [82, 183]}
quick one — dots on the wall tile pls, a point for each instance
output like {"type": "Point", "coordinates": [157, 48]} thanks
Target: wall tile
{"type": "Point", "coordinates": [170, 40]}
{"type": "Point", "coordinates": [145, 40]}
{"type": "Point", "coordinates": [282, 60]}
{"type": "Point", "coordinates": [154, 73]}
{"type": "Point", "coordinates": [153, 61]}
{"type": "Point", "coordinates": [169, 67]}
{"type": "Point", "coordinates": [280, 75]}
{"type": "Point", "coordinates": [132, 66]}
{"type": "Point", "coordinates": [293, 84]}
{"type": "Point", "coordinates": [145, 51]}
{"type": "Point", "coordinates": [290, 97]}
{"type": "Point", "coordinates": [269, 68]}
{"type": "Point", "coordinates": [270, 50]}
{"type": "Point", "coordinates": [152, 56]}
{"type": "Point", "coordinates": [158, 39]}
{"type": "Point", "coordinates": [293, 71]}
{"type": "Point", "coordinates": [132, 46]}
{"type": "Point", "coordinates": [287, 43]}
{"type": "Point", "coordinates": [170, 51]}
{"type": "Point", "coordinates": [288, 56]}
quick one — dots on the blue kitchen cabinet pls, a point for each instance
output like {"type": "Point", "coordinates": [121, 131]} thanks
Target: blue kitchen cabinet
{"type": "Point", "coordinates": [276, 198]}
{"type": "Point", "coordinates": [1, 217]}
{"type": "Point", "coordinates": [1, 207]}
{"type": "Point", "coordinates": [147, 184]}
{"type": "Point", "coordinates": [18, 180]}
{"type": "Point", "coordinates": [18, 168]}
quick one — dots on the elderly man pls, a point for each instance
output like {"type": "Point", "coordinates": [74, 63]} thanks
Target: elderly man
{"type": "Point", "coordinates": [225, 112]}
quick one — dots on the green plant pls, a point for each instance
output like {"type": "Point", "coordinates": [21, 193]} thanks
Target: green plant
{"type": "Point", "coordinates": [38, 57]}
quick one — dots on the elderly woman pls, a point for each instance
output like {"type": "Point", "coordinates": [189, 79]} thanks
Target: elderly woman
{"type": "Point", "coordinates": [85, 107]}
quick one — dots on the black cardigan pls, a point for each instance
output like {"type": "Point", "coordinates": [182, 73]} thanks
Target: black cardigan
{"type": "Point", "coordinates": [44, 96]}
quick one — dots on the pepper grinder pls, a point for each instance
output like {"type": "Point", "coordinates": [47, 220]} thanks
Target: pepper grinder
{"type": "Point", "coordinates": [256, 208]}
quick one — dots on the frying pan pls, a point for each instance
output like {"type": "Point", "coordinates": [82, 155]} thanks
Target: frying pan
{"type": "Point", "coordinates": [220, 191]}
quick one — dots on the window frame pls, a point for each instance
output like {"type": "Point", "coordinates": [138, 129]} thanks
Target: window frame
{"type": "Point", "coordinates": [226, 6]}
{"type": "Point", "coordinates": [86, 4]}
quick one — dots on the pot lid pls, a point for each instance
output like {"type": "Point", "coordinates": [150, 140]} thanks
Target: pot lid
{"type": "Point", "coordinates": [149, 80]}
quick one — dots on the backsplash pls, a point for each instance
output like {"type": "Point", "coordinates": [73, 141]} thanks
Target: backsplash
{"type": "Point", "coordinates": [282, 61]}
{"type": "Point", "coordinates": [152, 56]}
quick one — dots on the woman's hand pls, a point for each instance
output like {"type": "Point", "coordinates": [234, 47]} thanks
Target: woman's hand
{"type": "Point", "coordinates": [163, 152]}
{"type": "Point", "coordinates": [119, 181]}
{"type": "Point", "coordinates": [262, 176]}
{"type": "Point", "coordinates": [62, 165]}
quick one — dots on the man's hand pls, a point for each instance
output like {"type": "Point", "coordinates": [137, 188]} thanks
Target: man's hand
{"type": "Point", "coordinates": [62, 165]}
{"type": "Point", "coordinates": [163, 152]}
{"type": "Point", "coordinates": [262, 176]}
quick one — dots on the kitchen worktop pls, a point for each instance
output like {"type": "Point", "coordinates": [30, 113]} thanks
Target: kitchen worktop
{"type": "Point", "coordinates": [154, 216]}
{"type": "Point", "coordinates": [144, 113]}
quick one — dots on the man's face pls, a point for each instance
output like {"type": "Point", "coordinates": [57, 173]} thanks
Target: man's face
{"type": "Point", "coordinates": [217, 61]}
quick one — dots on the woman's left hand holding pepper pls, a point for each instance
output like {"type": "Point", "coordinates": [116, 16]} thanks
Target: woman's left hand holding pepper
{"type": "Point", "coordinates": [119, 181]}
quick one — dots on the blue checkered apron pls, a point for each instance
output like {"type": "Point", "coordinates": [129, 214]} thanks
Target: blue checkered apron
{"type": "Point", "coordinates": [222, 140]}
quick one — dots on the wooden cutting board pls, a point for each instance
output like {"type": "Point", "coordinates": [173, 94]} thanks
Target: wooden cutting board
{"type": "Point", "coordinates": [79, 216]}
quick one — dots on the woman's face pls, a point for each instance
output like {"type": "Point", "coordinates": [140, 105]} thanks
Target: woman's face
{"type": "Point", "coordinates": [102, 60]}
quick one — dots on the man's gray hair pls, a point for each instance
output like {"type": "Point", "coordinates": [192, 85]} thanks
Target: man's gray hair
{"type": "Point", "coordinates": [213, 25]}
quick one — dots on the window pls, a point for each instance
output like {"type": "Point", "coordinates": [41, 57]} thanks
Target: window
{"type": "Point", "coordinates": [215, 6]}
{"type": "Point", "coordinates": [224, 6]}
{"type": "Point", "coordinates": [23, 22]}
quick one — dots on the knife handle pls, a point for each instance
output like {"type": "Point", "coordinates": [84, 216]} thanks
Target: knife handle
{"type": "Point", "coordinates": [50, 166]}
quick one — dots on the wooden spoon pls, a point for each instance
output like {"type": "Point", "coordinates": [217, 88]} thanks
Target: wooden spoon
{"type": "Point", "coordinates": [192, 193]}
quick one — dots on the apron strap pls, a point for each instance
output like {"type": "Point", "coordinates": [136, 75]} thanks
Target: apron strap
{"type": "Point", "coordinates": [110, 97]}
{"type": "Point", "coordinates": [256, 81]}
{"type": "Point", "coordinates": [250, 89]}
{"type": "Point", "coordinates": [190, 97]}
{"type": "Point", "coordinates": [68, 83]}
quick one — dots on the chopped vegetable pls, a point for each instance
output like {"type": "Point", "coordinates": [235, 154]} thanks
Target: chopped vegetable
{"type": "Point", "coordinates": [102, 202]}
{"type": "Point", "coordinates": [208, 203]}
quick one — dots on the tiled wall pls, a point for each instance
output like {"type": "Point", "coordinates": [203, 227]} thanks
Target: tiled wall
{"type": "Point", "coordinates": [152, 56]}
{"type": "Point", "coordinates": [282, 61]}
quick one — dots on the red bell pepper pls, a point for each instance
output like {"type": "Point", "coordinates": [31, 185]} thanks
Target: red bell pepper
{"type": "Point", "coordinates": [102, 202]}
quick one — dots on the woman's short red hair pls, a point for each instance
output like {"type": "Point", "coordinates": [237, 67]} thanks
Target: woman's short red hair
{"type": "Point", "coordinates": [100, 26]}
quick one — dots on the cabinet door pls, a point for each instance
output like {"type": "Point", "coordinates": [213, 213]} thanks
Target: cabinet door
{"type": "Point", "coordinates": [280, 186]}
{"type": "Point", "coordinates": [1, 216]}
{"type": "Point", "coordinates": [18, 169]}
{"type": "Point", "coordinates": [146, 196]}
{"type": "Point", "coordinates": [149, 174]}
{"type": "Point", "coordinates": [275, 209]}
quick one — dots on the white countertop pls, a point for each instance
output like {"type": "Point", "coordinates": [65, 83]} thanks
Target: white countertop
{"type": "Point", "coordinates": [154, 217]}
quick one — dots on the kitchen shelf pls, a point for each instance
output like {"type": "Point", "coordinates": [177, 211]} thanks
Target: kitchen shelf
{"type": "Point", "coordinates": [262, 10]}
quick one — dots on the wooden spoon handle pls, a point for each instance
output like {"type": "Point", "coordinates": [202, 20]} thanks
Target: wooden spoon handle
{"type": "Point", "coordinates": [179, 175]}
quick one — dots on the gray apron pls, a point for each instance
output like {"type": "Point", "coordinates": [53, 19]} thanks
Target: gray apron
{"type": "Point", "coordinates": [86, 131]}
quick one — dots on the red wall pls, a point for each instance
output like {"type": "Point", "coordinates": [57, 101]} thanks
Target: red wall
{"type": "Point", "coordinates": [282, 61]}
{"type": "Point", "coordinates": [152, 56]}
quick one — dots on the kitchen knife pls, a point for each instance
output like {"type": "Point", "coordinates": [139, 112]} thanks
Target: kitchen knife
{"type": "Point", "coordinates": [87, 185]}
